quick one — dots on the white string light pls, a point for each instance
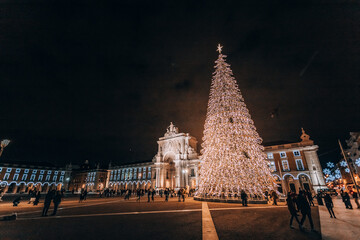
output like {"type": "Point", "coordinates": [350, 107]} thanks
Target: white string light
{"type": "Point", "coordinates": [233, 158]}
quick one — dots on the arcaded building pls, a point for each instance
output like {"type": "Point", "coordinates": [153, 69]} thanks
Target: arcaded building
{"type": "Point", "coordinates": [294, 165]}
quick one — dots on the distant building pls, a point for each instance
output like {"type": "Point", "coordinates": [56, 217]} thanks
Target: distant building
{"type": "Point", "coordinates": [176, 165]}
{"type": "Point", "coordinates": [296, 165]}
{"type": "Point", "coordinates": [23, 177]}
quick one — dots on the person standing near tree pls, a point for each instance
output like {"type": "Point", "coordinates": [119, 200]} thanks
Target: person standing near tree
{"type": "Point", "coordinates": [274, 197]}
{"type": "Point", "coordinates": [244, 197]}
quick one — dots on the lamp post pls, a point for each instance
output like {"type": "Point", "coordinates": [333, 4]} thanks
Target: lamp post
{"type": "Point", "coordinates": [3, 145]}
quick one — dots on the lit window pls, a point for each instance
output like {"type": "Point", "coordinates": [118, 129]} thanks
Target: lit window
{"type": "Point", "coordinates": [24, 177]}
{"type": "Point", "coordinates": [47, 178]}
{"type": "Point", "coordinates": [61, 178]}
{"type": "Point", "coordinates": [6, 177]}
{"type": "Point", "coordinates": [299, 165]}
{"type": "Point", "coordinates": [32, 178]}
{"type": "Point", "coordinates": [149, 175]}
{"type": "Point", "coordinates": [144, 169]}
{"type": "Point", "coordinates": [62, 172]}
{"type": "Point", "coordinates": [26, 171]}
{"type": "Point", "coordinates": [144, 174]}
{"type": "Point", "coordinates": [54, 178]}
{"type": "Point", "coordinates": [49, 172]}
{"type": "Point", "coordinates": [270, 156]}
{"type": "Point", "coordinates": [272, 166]}
{"type": "Point", "coordinates": [8, 170]}
{"type": "Point", "coordinates": [40, 178]}
{"type": "Point", "coordinates": [283, 154]}
{"type": "Point", "coordinates": [56, 172]}
{"type": "Point", "coordinates": [285, 165]}
{"type": "Point", "coordinates": [34, 171]}
{"type": "Point", "coordinates": [296, 153]}
{"type": "Point", "coordinates": [149, 169]}
{"type": "Point", "coordinates": [42, 171]}
{"type": "Point", "coordinates": [17, 170]}
{"type": "Point", "coordinates": [16, 176]}
{"type": "Point", "coordinates": [0, 169]}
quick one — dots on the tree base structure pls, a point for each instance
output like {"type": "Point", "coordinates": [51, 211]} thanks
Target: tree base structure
{"type": "Point", "coordinates": [230, 200]}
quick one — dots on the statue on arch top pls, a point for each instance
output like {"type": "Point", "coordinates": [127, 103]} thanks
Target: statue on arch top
{"type": "Point", "coordinates": [171, 130]}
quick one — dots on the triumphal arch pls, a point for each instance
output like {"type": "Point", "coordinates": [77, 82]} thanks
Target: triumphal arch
{"type": "Point", "coordinates": [176, 162]}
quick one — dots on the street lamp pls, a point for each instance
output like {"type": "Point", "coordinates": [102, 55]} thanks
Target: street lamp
{"type": "Point", "coordinates": [3, 144]}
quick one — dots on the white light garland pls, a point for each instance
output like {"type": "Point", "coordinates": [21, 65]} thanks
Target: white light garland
{"type": "Point", "coordinates": [232, 156]}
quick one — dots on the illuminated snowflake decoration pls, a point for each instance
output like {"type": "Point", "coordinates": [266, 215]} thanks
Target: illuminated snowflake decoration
{"type": "Point", "coordinates": [337, 171]}
{"type": "Point", "coordinates": [347, 170]}
{"type": "Point", "coordinates": [343, 164]}
{"type": "Point", "coordinates": [357, 162]}
{"type": "Point", "coordinates": [330, 165]}
{"type": "Point", "coordinates": [338, 176]}
{"type": "Point", "coordinates": [330, 178]}
{"type": "Point", "coordinates": [326, 171]}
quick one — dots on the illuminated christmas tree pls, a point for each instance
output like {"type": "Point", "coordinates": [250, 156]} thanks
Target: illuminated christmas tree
{"type": "Point", "coordinates": [232, 155]}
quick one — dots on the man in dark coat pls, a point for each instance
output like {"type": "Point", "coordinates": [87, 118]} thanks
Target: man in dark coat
{"type": "Point", "coordinates": [37, 198]}
{"type": "Point", "coordinates": [347, 200]}
{"type": "Point", "coordinates": [309, 197]}
{"type": "Point", "coordinates": [244, 198]}
{"type": "Point", "coordinates": [57, 201]}
{"type": "Point", "coordinates": [49, 196]}
{"type": "Point", "coordinates": [149, 194]}
{"type": "Point", "coordinates": [292, 209]}
{"type": "Point", "coordinates": [305, 209]}
{"type": "Point", "coordinates": [153, 194]}
{"type": "Point", "coordinates": [329, 205]}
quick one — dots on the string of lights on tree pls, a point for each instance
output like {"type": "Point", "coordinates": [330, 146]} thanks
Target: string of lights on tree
{"type": "Point", "coordinates": [232, 155]}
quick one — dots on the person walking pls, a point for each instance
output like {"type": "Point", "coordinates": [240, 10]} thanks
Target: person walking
{"type": "Point", "coordinates": [329, 205]}
{"type": "Point", "coordinates": [166, 195]}
{"type": "Point", "coordinates": [183, 192]}
{"type": "Point", "coordinates": [57, 201]}
{"type": "Point", "coordinates": [347, 200]}
{"type": "Point", "coordinates": [138, 195]}
{"type": "Point", "coordinates": [2, 193]}
{"type": "Point", "coordinates": [244, 197]}
{"type": "Point", "coordinates": [290, 201]}
{"type": "Point", "coordinates": [81, 196]}
{"type": "Point", "coordinates": [274, 197]}
{"type": "Point", "coordinates": [37, 198]}
{"type": "Point", "coordinates": [309, 197]}
{"type": "Point", "coordinates": [356, 199]}
{"type": "Point", "coordinates": [305, 209]}
{"type": "Point", "coordinates": [49, 196]}
{"type": "Point", "coordinates": [319, 198]}
{"type": "Point", "coordinates": [149, 194]}
{"type": "Point", "coordinates": [152, 195]}
{"type": "Point", "coordinates": [179, 194]}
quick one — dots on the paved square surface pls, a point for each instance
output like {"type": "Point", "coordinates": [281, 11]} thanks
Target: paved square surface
{"type": "Point", "coordinates": [119, 219]}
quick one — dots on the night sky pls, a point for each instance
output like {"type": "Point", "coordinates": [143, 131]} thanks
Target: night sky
{"type": "Point", "coordinates": [102, 80]}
